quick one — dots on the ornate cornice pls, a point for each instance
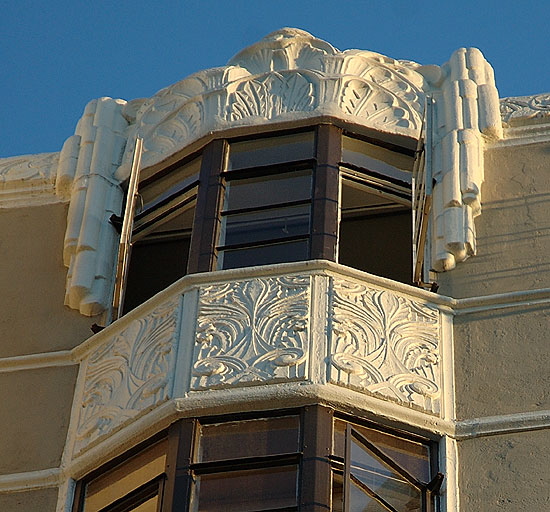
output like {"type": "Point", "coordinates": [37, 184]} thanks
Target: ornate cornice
{"type": "Point", "coordinates": [288, 75]}
{"type": "Point", "coordinates": [28, 179]}
{"type": "Point", "coordinates": [521, 110]}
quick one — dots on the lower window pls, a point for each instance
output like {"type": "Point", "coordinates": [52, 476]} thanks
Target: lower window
{"type": "Point", "coordinates": [284, 461]}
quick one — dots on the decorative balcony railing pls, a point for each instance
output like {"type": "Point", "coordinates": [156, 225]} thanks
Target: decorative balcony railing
{"type": "Point", "coordinates": [315, 323]}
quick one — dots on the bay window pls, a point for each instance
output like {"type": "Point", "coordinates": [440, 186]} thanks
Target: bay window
{"type": "Point", "coordinates": [311, 193]}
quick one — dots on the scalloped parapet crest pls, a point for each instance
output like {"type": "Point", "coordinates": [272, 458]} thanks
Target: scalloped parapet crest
{"type": "Point", "coordinates": [288, 75]}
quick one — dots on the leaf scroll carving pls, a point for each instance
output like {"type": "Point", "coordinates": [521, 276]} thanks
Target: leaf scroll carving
{"type": "Point", "coordinates": [385, 344]}
{"type": "Point", "coordinates": [251, 332]}
{"type": "Point", "coordinates": [130, 372]}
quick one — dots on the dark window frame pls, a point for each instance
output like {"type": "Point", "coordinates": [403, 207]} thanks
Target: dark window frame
{"type": "Point", "coordinates": [328, 167]}
{"type": "Point", "coordinates": [315, 458]}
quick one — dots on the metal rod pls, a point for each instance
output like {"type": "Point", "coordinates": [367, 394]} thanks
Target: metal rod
{"type": "Point", "coordinates": [125, 244]}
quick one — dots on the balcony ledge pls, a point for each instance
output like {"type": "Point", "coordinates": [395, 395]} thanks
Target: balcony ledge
{"type": "Point", "coordinates": [245, 339]}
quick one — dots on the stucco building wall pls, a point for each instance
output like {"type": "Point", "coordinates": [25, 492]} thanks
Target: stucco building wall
{"type": "Point", "coordinates": [32, 280]}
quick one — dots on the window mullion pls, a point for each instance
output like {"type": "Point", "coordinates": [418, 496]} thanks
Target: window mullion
{"type": "Point", "coordinates": [177, 487]}
{"type": "Point", "coordinates": [324, 225]}
{"type": "Point", "coordinates": [205, 229]}
{"type": "Point", "coordinates": [316, 470]}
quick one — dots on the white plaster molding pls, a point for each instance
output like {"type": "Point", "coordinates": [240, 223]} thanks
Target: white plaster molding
{"type": "Point", "coordinates": [252, 332]}
{"type": "Point", "coordinates": [129, 373]}
{"type": "Point", "coordinates": [29, 480]}
{"type": "Point", "coordinates": [525, 110]}
{"type": "Point", "coordinates": [526, 120]}
{"type": "Point", "coordinates": [288, 75]}
{"type": "Point", "coordinates": [32, 361]}
{"type": "Point", "coordinates": [448, 465]}
{"type": "Point", "coordinates": [502, 424]}
{"type": "Point", "coordinates": [86, 172]}
{"type": "Point", "coordinates": [28, 180]}
{"type": "Point", "coordinates": [466, 113]}
{"type": "Point", "coordinates": [385, 344]}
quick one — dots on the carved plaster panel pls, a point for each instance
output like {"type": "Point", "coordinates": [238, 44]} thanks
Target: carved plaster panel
{"type": "Point", "coordinates": [27, 178]}
{"type": "Point", "coordinates": [252, 332]}
{"type": "Point", "coordinates": [128, 374]}
{"type": "Point", "coordinates": [288, 75]}
{"type": "Point", "coordinates": [526, 109]}
{"type": "Point", "coordinates": [384, 344]}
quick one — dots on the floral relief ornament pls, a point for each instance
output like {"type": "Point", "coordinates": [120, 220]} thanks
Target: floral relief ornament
{"type": "Point", "coordinates": [129, 373]}
{"type": "Point", "coordinates": [251, 331]}
{"type": "Point", "coordinates": [385, 344]}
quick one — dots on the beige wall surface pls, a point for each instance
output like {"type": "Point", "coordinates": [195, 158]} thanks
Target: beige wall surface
{"type": "Point", "coordinates": [505, 472]}
{"type": "Point", "coordinates": [502, 362]}
{"type": "Point", "coordinates": [32, 280]}
{"type": "Point", "coordinates": [35, 407]}
{"type": "Point", "coordinates": [513, 231]}
{"type": "Point", "coordinates": [43, 500]}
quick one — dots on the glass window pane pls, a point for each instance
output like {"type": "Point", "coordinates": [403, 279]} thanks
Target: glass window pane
{"type": "Point", "coordinates": [264, 255]}
{"type": "Point", "coordinates": [123, 479]}
{"type": "Point", "coordinates": [337, 495]}
{"type": "Point", "coordinates": [246, 491]}
{"type": "Point", "coordinates": [411, 455]}
{"type": "Point", "coordinates": [373, 225]}
{"type": "Point", "coordinates": [383, 480]}
{"type": "Point", "coordinates": [377, 159]}
{"type": "Point", "coordinates": [264, 225]}
{"type": "Point", "coordinates": [251, 438]}
{"type": "Point", "coordinates": [149, 506]}
{"type": "Point", "coordinates": [169, 184]}
{"type": "Point", "coordinates": [271, 150]}
{"type": "Point", "coordinates": [268, 190]}
{"type": "Point", "coordinates": [361, 502]}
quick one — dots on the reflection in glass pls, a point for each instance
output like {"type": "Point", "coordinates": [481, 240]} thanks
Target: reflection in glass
{"type": "Point", "coordinates": [123, 479]}
{"type": "Point", "coordinates": [382, 480]}
{"type": "Point", "coordinates": [271, 150]}
{"type": "Point", "coordinates": [377, 159]}
{"type": "Point", "coordinates": [252, 438]}
{"type": "Point", "coordinates": [412, 456]}
{"type": "Point", "coordinates": [170, 184]}
{"type": "Point", "coordinates": [361, 502]}
{"type": "Point", "coordinates": [263, 225]}
{"type": "Point", "coordinates": [149, 506]}
{"type": "Point", "coordinates": [264, 254]}
{"type": "Point", "coordinates": [246, 491]}
{"type": "Point", "coordinates": [268, 190]}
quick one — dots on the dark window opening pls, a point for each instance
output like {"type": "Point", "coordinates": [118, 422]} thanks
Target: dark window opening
{"type": "Point", "coordinates": [375, 231]}
{"type": "Point", "coordinates": [159, 257]}
{"type": "Point", "coordinates": [316, 194]}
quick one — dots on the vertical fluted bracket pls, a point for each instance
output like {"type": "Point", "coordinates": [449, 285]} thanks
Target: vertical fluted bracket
{"type": "Point", "coordinates": [86, 170]}
{"type": "Point", "coordinates": [466, 113]}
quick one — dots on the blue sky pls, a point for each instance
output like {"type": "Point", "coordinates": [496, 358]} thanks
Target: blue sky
{"type": "Point", "coordinates": [57, 55]}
